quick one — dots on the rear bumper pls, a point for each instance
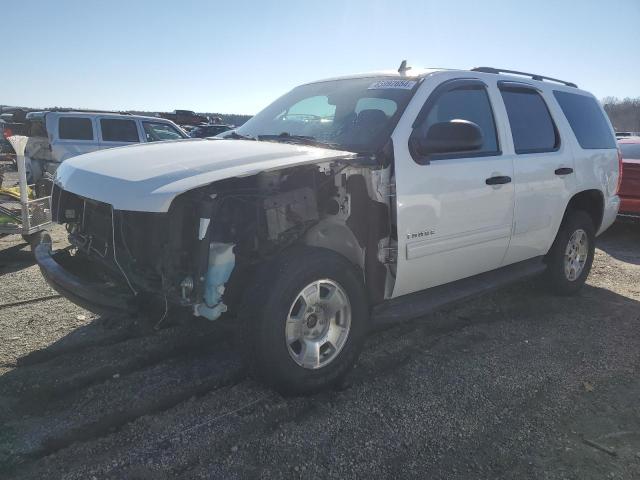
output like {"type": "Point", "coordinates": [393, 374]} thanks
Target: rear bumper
{"type": "Point", "coordinates": [93, 296]}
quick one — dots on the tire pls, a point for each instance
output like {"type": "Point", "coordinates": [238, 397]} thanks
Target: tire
{"type": "Point", "coordinates": [562, 279]}
{"type": "Point", "coordinates": [275, 311]}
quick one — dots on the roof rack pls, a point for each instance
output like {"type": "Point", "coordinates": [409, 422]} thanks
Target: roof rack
{"type": "Point", "coordinates": [515, 72]}
{"type": "Point", "coordinates": [82, 110]}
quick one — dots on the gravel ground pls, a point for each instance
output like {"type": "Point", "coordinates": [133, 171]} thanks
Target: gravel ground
{"type": "Point", "coordinates": [516, 384]}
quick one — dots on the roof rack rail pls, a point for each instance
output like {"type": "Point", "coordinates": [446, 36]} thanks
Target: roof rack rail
{"type": "Point", "coordinates": [515, 72]}
{"type": "Point", "coordinates": [83, 110]}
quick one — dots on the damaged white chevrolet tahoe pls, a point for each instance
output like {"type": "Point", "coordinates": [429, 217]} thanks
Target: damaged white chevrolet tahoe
{"type": "Point", "coordinates": [345, 203]}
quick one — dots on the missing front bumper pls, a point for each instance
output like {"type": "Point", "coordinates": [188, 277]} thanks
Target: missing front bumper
{"type": "Point", "coordinates": [98, 297]}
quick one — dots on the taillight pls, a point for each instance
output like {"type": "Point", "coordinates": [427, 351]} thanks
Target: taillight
{"type": "Point", "coordinates": [7, 132]}
{"type": "Point", "coordinates": [619, 171]}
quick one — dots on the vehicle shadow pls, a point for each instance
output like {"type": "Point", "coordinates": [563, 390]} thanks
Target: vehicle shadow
{"type": "Point", "coordinates": [622, 241]}
{"type": "Point", "coordinates": [16, 257]}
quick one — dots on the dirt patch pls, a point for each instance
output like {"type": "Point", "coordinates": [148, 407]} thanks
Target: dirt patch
{"type": "Point", "coordinates": [517, 384]}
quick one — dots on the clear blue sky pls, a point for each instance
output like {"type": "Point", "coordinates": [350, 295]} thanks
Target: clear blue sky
{"type": "Point", "coordinates": [236, 56]}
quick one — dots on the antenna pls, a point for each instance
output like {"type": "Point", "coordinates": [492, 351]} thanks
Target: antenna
{"type": "Point", "coordinates": [402, 70]}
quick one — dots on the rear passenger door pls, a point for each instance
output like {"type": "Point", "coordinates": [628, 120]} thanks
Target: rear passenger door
{"type": "Point", "coordinates": [543, 169]}
{"type": "Point", "coordinates": [72, 135]}
{"type": "Point", "coordinates": [454, 209]}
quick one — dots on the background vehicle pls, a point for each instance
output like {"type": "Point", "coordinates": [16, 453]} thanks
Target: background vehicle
{"type": "Point", "coordinates": [55, 136]}
{"type": "Point", "coordinates": [627, 134]}
{"type": "Point", "coordinates": [209, 130]}
{"type": "Point", "coordinates": [5, 146]}
{"type": "Point", "coordinates": [370, 198]}
{"type": "Point", "coordinates": [630, 184]}
{"type": "Point", "coordinates": [185, 117]}
{"type": "Point", "coordinates": [12, 122]}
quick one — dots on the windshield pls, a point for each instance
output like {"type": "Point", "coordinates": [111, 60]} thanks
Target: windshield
{"type": "Point", "coordinates": [156, 132]}
{"type": "Point", "coordinates": [352, 114]}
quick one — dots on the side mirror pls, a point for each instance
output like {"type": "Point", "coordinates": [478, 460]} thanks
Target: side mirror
{"type": "Point", "coordinates": [450, 137]}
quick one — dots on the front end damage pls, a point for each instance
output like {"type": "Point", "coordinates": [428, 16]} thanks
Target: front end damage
{"type": "Point", "coordinates": [203, 252]}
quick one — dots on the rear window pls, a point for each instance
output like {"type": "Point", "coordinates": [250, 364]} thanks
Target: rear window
{"type": "Point", "coordinates": [532, 127]}
{"type": "Point", "coordinates": [630, 151]}
{"type": "Point", "coordinates": [586, 119]}
{"type": "Point", "coordinates": [72, 128]}
{"type": "Point", "coordinates": [115, 130]}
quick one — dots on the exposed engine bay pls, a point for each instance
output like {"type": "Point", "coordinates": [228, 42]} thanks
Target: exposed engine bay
{"type": "Point", "coordinates": [203, 252]}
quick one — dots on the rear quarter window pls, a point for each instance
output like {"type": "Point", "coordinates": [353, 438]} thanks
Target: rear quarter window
{"type": "Point", "coordinates": [587, 120]}
{"type": "Point", "coordinates": [73, 128]}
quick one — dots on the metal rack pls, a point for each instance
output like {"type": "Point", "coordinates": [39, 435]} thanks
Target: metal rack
{"type": "Point", "coordinates": [533, 76]}
{"type": "Point", "coordinates": [21, 212]}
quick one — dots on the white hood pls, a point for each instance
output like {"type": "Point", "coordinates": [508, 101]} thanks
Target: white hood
{"type": "Point", "coordinates": [147, 177]}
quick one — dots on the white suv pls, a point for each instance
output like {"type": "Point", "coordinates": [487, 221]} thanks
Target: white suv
{"type": "Point", "coordinates": [55, 136]}
{"type": "Point", "coordinates": [345, 203]}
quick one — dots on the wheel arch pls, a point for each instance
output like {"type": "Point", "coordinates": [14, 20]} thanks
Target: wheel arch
{"type": "Point", "coordinates": [590, 201]}
{"type": "Point", "coordinates": [339, 238]}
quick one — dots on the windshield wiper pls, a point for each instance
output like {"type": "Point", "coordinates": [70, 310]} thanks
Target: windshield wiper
{"type": "Point", "coordinates": [286, 137]}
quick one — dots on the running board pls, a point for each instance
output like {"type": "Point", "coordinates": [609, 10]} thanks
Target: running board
{"type": "Point", "coordinates": [421, 303]}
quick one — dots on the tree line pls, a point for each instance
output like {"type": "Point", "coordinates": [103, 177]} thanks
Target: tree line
{"type": "Point", "coordinates": [624, 114]}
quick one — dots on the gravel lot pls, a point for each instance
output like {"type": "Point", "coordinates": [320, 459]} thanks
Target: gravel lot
{"type": "Point", "coordinates": [517, 384]}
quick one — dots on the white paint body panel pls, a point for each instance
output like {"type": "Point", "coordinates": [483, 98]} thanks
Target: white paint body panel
{"type": "Point", "coordinates": [147, 177]}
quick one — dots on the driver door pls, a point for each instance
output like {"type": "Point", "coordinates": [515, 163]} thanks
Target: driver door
{"type": "Point", "coordinates": [454, 209]}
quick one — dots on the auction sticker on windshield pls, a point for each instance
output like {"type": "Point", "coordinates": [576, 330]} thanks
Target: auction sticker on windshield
{"type": "Point", "coordinates": [401, 84]}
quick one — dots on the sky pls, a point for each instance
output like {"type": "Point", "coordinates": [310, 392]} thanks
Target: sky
{"type": "Point", "coordinates": [237, 56]}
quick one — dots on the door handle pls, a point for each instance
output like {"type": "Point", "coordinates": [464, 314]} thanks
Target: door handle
{"type": "Point", "coordinates": [564, 171]}
{"type": "Point", "coordinates": [500, 180]}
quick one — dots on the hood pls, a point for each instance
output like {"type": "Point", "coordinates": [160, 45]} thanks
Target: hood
{"type": "Point", "coordinates": [147, 177]}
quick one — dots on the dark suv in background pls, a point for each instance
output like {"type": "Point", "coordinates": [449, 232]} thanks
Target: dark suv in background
{"type": "Point", "coordinates": [203, 131]}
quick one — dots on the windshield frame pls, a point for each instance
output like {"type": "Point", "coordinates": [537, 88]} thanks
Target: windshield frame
{"type": "Point", "coordinates": [375, 146]}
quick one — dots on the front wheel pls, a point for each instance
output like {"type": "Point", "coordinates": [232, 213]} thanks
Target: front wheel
{"type": "Point", "coordinates": [571, 255]}
{"type": "Point", "coordinates": [305, 319]}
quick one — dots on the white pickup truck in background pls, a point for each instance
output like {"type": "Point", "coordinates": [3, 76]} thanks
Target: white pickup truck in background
{"type": "Point", "coordinates": [346, 202]}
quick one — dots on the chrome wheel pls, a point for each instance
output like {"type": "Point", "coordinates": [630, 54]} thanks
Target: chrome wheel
{"type": "Point", "coordinates": [318, 324]}
{"type": "Point", "coordinates": [575, 255]}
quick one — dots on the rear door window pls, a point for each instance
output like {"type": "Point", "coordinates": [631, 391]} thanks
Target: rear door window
{"type": "Point", "coordinates": [116, 130]}
{"type": "Point", "coordinates": [532, 127]}
{"type": "Point", "coordinates": [586, 119]}
{"type": "Point", "coordinates": [75, 128]}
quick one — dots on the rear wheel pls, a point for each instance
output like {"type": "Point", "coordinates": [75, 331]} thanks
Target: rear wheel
{"type": "Point", "coordinates": [305, 320]}
{"type": "Point", "coordinates": [571, 255]}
